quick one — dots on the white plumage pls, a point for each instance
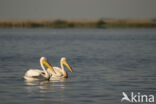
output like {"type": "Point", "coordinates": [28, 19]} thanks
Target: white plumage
{"type": "Point", "coordinates": [60, 72]}
{"type": "Point", "coordinates": [36, 74]}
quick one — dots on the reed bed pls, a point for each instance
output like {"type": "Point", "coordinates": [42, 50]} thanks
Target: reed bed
{"type": "Point", "coordinates": [77, 23]}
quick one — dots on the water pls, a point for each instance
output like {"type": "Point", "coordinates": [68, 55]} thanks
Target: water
{"type": "Point", "coordinates": [106, 62]}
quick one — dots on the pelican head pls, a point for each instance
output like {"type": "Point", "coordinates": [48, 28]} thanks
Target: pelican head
{"type": "Point", "coordinates": [64, 62]}
{"type": "Point", "coordinates": [44, 61]}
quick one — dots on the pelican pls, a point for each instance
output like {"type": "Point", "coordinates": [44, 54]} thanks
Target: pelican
{"type": "Point", "coordinates": [60, 72]}
{"type": "Point", "coordinates": [36, 74]}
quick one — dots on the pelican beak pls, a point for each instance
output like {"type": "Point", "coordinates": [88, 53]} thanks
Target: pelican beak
{"type": "Point", "coordinates": [67, 65]}
{"type": "Point", "coordinates": [49, 66]}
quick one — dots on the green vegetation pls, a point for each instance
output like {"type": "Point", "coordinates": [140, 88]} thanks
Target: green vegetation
{"type": "Point", "coordinates": [101, 23]}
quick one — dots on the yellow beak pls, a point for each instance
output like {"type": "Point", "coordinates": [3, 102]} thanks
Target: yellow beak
{"type": "Point", "coordinates": [49, 66]}
{"type": "Point", "coordinates": [67, 65]}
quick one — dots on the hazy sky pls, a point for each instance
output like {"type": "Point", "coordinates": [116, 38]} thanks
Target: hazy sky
{"type": "Point", "coordinates": [78, 9]}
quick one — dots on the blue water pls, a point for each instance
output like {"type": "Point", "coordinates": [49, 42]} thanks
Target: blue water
{"type": "Point", "coordinates": [106, 62]}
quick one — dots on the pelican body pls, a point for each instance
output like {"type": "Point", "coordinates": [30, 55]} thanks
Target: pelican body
{"type": "Point", "coordinates": [36, 74]}
{"type": "Point", "coordinates": [60, 72]}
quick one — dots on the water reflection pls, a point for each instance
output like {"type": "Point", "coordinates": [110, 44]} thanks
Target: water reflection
{"type": "Point", "coordinates": [44, 90]}
{"type": "Point", "coordinates": [46, 84]}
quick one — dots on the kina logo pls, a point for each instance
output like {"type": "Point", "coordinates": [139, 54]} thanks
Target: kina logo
{"type": "Point", "coordinates": [137, 97]}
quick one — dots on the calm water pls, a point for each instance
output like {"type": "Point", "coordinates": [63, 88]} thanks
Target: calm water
{"type": "Point", "coordinates": [106, 62]}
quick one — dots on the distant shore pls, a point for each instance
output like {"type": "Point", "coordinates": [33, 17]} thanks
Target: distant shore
{"type": "Point", "coordinates": [78, 23]}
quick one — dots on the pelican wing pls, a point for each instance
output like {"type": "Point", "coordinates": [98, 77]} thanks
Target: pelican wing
{"type": "Point", "coordinates": [34, 74]}
{"type": "Point", "coordinates": [58, 71]}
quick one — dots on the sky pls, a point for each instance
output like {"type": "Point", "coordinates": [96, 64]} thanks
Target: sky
{"type": "Point", "coordinates": [77, 9]}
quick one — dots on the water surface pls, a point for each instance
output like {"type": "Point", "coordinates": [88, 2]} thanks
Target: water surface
{"type": "Point", "coordinates": [106, 62]}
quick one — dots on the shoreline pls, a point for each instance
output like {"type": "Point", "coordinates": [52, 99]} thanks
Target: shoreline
{"type": "Point", "coordinates": [77, 23]}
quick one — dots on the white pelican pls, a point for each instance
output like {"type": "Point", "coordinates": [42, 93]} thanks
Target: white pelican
{"type": "Point", "coordinates": [60, 72]}
{"type": "Point", "coordinates": [36, 74]}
